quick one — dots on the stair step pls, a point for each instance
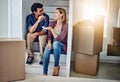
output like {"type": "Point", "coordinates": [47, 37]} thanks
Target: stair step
{"type": "Point", "coordinates": [37, 58]}
{"type": "Point", "coordinates": [36, 68]}
{"type": "Point", "coordinates": [62, 57]}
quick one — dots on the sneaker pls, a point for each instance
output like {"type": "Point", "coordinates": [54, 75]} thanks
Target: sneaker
{"type": "Point", "coordinates": [41, 62]}
{"type": "Point", "coordinates": [29, 60]}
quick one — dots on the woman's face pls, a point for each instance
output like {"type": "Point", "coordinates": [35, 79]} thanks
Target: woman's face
{"type": "Point", "coordinates": [57, 15]}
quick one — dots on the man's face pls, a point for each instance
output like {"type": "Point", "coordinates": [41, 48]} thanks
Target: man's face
{"type": "Point", "coordinates": [38, 12]}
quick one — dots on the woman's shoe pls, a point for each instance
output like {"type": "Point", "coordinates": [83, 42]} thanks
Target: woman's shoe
{"type": "Point", "coordinates": [56, 71]}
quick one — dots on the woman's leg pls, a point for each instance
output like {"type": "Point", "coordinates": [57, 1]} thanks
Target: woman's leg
{"type": "Point", "coordinates": [46, 57]}
{"type": "Point", "coordinates": [57, 49]}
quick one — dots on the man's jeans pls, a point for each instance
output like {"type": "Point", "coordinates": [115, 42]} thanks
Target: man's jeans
{"type": "Point", "coordinates": [57, 50]}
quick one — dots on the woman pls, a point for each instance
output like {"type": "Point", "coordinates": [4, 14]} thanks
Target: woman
{"type": "Point", "coordinates": [57, 40]}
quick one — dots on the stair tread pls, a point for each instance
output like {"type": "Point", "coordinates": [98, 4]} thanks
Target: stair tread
{"type": "Point", "coordinates": [51, 64]}
{"type": "Point", "coordinates": [36, 68]}
{"type": "Point", "coordinates": [37, 57]}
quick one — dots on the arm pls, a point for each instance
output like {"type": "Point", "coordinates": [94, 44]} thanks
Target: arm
{"type": "Point", "coordinates": [51, 30]}
{"type": "Point", "coordinates": [63, 34]}
{"type": "Point", "coordinates": [49, 45]}
{"type": "Point", "coordinates": [31, 28]}
{"type": "Point", "coordinates": [46, 24]}
{"type": "Point", "coordinates": [34, 27]}
{"type": "Point", "coordinates": [54, 34]}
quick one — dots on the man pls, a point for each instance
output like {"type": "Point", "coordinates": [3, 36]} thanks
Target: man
{"type": "Point", "coordinates": [34, 23]}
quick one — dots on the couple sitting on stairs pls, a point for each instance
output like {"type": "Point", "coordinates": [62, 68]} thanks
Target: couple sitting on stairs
{"type": "Point", "coordinates": [52, 36]}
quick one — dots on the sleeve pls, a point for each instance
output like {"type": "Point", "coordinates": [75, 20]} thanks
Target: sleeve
{"type": "Point", "coordinates": [46, 24]}
{"type": "Point", "coordinates": [50, 36]}
{"type": "Point", "coordinates": [63, 34]}
{"type": "Point", "coordinates": [28, 23]}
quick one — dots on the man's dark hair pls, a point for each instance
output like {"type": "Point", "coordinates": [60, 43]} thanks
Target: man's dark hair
{"type": "Point", "coordinates": [35, 6]}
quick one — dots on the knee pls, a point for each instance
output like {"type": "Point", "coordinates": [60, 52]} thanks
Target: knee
{"type": "Point", "coordinates": [55, 44]}
{"type": "Point", "coordinates": [42, 37]}
{"type": "Point", "coordinates": [28, 35]}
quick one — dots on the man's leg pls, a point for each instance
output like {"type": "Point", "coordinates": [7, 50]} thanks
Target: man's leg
{"type": "Point", "coordinates": [42, 42]}
{"type": "Point", "coordinates": [30, 47]}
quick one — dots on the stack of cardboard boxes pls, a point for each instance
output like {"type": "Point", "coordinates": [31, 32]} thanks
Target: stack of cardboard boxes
{"type": "Point", "coordinates": [114, 48]}
{"type": "Point", "coordinates": [87, 44]}
{"type": "Point", "coordinates": [12, 59]}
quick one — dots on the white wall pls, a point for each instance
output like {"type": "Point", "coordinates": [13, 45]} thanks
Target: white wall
{"type": "Point", "coordinates": [3, 18]}
{"type": "Point", "coordinates": [11, 18]}
{"type": "Point", "coordinates": [77, 10]}
{"type": "Point", "coordinates": [16, 18]}
{"type": "Point", "coordinates": [111, 21]}
{"type": "Point", "coordinates": [112, 17]}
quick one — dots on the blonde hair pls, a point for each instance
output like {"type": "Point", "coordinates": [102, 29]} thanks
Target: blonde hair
{"type": "Point", "coordinates": [62, 11]}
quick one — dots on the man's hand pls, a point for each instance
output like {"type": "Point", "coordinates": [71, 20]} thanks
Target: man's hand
{"type": "Point", "coordinates": [33, 36]}
{"type": "Point", "coordinates": [40, 18]}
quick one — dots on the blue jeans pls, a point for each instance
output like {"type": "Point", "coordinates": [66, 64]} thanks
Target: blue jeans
{"type": "Point", "coordinates": [57, 50]}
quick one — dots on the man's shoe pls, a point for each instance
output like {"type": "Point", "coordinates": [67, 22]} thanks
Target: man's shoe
{"type": "Point", "coordinates": [29, 60]}
{"type": "Point", "coordinates": [41, 62]}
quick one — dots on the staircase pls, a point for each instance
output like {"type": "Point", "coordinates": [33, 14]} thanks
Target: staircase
{"type": "Point", "coordinates": [49, 8]}
{"type": "Point", "coordinates": [36, 68]}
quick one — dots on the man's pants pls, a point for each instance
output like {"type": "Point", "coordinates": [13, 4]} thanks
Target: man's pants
{"type": "Point", "coordinates": [42, 42]}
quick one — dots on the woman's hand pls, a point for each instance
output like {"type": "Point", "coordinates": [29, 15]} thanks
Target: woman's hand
{"type": "Point", "coordinates": [49, 46]}
{"type": "Point", "coordinates": [48, 28]}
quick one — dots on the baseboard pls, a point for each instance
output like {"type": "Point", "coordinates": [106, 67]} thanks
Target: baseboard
{"type": "Point", "coordinates": [109, 61]}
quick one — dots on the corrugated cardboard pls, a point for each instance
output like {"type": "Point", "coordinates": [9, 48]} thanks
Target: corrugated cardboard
{"type": "Point", "coordinates": [12, 59]}
{"type": "Point", "coordinates": [88, 36]}
{"type": "Point", "coordinates": [113, 50]}
{"type": "Point", "coordinates": [86, 64]}
{"type": "Point", "coordinates": [116, 36]}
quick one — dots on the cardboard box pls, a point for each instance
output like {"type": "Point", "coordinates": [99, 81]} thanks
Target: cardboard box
{"type": "Point", "coordinates": [88, 36]}
{"type": "Point", "coordinates": [12, 59]}
{"type": "Point", "coordinates": [116, 36]}
{"type": "Point", "coordinates": [113, 50]}
{"type": "Point", "coordinates": [86, 64]}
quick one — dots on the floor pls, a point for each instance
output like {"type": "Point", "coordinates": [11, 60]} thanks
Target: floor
{"type": "Point", "coordinates": [108, 72]}
{"type": "Point", "coordinates": [40, 78]}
